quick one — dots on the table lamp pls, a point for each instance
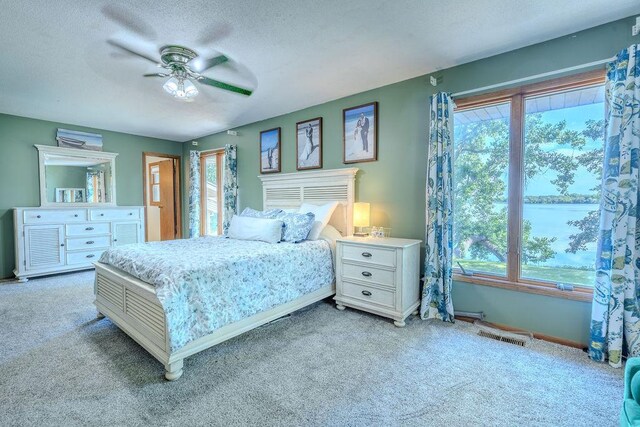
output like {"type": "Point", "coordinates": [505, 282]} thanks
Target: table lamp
{"type": "Point", "coordinates": [361, 214]}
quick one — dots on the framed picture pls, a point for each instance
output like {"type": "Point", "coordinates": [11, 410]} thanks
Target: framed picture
{"type": "Point", "coordinates": [309, 144]}
{"type": "Point", "coordinates": [360, 133]}
{"type": "Point", "coordinates": [270, 151]}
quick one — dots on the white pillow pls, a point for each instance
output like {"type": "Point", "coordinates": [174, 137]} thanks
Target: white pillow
{"type": "Point", "coordinates": [261, 229]}
{"type": "Point", "coordinates": [330, 234]}
{"type": "Point", "coordinates": [323, 216]}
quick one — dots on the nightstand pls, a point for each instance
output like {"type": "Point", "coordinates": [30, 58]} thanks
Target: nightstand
{"type": "Point", "coordinates": [378, 275]}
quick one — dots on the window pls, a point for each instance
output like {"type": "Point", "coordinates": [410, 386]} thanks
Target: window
{"type": "Point", "coordinates": [211, 166]}
{"type": "Point", "coordinates": [154, 183]}
{"type": "Point", "coordinates": [527, 169]}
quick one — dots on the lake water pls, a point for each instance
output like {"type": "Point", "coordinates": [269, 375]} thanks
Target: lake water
{"type": "Point", "coordinates": [550, 220]}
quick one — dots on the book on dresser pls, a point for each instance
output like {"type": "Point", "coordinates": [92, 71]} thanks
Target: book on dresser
{"type": "Point", "coordinates": [55, 240]}
{"type": "Point", "coordinates": [378, 275]}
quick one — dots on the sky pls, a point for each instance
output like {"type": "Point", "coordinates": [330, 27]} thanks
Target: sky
{"type": "Point", "coordinates": [584, 180]}
{"type": "Point", "coordinates": [269, 139]}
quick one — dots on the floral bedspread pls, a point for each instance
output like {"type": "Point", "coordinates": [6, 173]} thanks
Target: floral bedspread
{"type": "Point", "coordinates": [209, 282]}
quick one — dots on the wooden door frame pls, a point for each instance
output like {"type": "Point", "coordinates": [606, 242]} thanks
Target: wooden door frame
{"type": "Point", "coordinates": [177, 182]}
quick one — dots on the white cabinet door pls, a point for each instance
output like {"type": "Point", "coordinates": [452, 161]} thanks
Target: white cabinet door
{"type": "Point", "coordinates": [44, 246]}
{"type": "Point", "coordinates": [125, 233]}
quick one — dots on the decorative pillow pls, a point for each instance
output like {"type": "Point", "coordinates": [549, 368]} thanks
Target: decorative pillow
{"type": "Point", "coordinates": [323, 215]}
{"type": "Point", "coordinates": [269, 213]}
{"type": "Point", "coordinates": [296, 226]}
{"type": "Point", "coordinates": [261, 229]}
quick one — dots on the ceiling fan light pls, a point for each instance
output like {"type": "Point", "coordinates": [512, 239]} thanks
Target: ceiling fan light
{"type": "Point", "coordinates": [190, 90]}
{"type": "Point", "coordinates": [171, 86]}
{"type": "Point", "coordinates": [180, 88]}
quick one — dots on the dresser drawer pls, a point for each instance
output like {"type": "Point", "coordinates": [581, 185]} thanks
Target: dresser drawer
{"type": "Point", "coordinates": [78, 243]}
{"type": "Point", "coordinates": [380, 256]}
{"type": "Point", "coordinates": [84, 257]}
{"type": "Point", "coordinates": [368, 274]}
{"type": "Point", "coordinates": [369, 294]}
{"type": "Point", "coordinates": [112, 214]}
{"type": "Point", "coordinates": [87, 229]}
{"type": "Point", "coordinates": [42, 216]}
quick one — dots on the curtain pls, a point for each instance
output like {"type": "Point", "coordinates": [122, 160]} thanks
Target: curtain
{"type": "Point", "coordinates": [436, 293]}
{"type": "Point", "coordinates": [194, 194]}
{"type": "Point", "coordinates": [96, 186]}
{"type": "Point", "coordinates": [615, 317]}
{"type": "Point", "coordinates": [230, 186]}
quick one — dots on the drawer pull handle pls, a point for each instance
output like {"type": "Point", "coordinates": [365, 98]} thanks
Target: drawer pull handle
{"type": "Point", "coordinates": [366, 274]}
{"type": "Point", "coordinates": [62, 244]}
{"type": "Point", "coordinates": [366, 293]}
{"type": "Point", "coordinates": [38, 216]}
{"type": "Point", "coordinates": [90, 256]}
{"type": "Point", "coordinates": [90, 242]}
{"type": "Point", "coordinates": [130, 213]}
{"type": "Point", "coordinates": [366, 254]}
{"type": "Point", "coordinates": [101, 214]}
{"type": "Point", "coordinates": [89, 228]}
{"type": "Point", "coordinates": [76, 215]}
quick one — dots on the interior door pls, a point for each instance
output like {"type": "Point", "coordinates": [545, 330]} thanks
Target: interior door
{"type": "Point", "coordinates": [167, 201]}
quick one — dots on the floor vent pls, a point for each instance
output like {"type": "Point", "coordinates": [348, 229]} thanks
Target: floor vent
{"type": "Point", "coordinates": [488, 331]}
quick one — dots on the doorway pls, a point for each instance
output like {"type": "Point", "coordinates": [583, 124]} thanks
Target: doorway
{"type": "Point", "coordinates": [163, 207]}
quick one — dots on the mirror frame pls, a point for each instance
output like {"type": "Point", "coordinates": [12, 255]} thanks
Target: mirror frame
{"type": "Point", "coordinates": [100, 156]}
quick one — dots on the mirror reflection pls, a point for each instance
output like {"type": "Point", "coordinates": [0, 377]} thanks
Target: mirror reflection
{"type": "Point", "coordinates": [72, 179]}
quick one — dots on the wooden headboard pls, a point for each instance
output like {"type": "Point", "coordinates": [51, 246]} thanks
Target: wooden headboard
{"type": "Point", "coordinates": [290, 190]}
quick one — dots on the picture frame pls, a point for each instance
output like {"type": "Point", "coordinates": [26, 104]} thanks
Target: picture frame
{"type": "Point", "coordinates": [360, 133]}
{"type": "Point", "coordinates": [70, 195]}
{"type": "Point", "coordinates": [309, 144]}
{"type": "Point", "coordinates": [270, 151]}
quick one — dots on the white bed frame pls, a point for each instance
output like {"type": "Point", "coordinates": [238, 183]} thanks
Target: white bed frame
{"type": "Point", "coordinates": [134, 307]}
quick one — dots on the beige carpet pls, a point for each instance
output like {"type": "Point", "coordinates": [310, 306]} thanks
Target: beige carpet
{"type": "Point", "coordinates": [320, 367]}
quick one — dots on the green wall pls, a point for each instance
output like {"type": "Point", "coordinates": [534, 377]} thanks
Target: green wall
{"type": "Point", "coordinates": [64, 177]}
{"type": "Point", "coordinates": [395, 183]}
{"type": "Point", "coordinates": [19, 177]}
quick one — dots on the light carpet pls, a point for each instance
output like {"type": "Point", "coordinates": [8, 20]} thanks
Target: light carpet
{"type": "Point", "coordinates": [321, 366]}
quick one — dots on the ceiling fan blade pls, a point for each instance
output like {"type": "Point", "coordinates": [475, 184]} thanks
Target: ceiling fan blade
{"type": "Point", "coordinates": [125, 48]}
{"type": "Point", "coordinates": [201, 65]}
{"type": "Point", "coordinates": [225, 86]}
{"type": "Point", "coordinates": [127, 19]}
{"type": "Point", "coordinates": [156, 75]}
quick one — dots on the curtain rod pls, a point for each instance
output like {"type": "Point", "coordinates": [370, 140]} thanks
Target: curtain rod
{"type": "Point", "coordinates": [537, 76]}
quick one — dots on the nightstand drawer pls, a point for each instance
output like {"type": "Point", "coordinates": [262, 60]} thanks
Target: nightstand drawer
{"type": "Point", "coordinates": [366, 253]}
{"type": "Point", "coordinates": [368, 294]}
{"type": "Point", "coordinates": [368, 274]}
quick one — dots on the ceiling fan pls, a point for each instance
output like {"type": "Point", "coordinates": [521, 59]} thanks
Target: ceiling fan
{"type": "Point", "coordinates": [179, 65]}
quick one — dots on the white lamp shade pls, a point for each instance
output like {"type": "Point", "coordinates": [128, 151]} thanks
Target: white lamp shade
{"type": "Point", "coordinates": [180, 88]}
{"type": "Point", "coordinates": [361, 214]}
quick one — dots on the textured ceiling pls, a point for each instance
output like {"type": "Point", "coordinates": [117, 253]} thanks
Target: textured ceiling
{"type": "Point", "coordinates": [57, 65]}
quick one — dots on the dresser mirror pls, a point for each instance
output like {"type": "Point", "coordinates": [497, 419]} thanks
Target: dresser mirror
{"type": "Point", "coordinates": [76, 177]}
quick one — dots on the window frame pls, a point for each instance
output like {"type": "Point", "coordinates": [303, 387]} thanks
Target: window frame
{"type": "Point", "coordinates": [516, 96]}
{"type": "Point", "coordinates": [219, 156]}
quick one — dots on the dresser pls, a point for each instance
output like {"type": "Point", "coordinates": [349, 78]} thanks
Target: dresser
{"type": "Point", "coordinates": [378, 275]}
{"type": "Point", "coordinates": [55, 240]}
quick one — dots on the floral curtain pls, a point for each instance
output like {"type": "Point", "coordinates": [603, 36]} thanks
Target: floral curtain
{"type": "Point", "coordinates": [194, 194]}
{"type": "Point", "coordinates": [615, 317]}
{"type": "Point", "coordinates": [230, 186]}
{"type": "Point", "coordinates": [436, 293]}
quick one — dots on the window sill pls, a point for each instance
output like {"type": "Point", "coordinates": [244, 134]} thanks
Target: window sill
{"type": "Point", "coordinates": [578, 294]}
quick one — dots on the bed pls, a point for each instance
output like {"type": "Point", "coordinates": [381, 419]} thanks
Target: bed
{"type": "Point", "coordinates": [159, 293]}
